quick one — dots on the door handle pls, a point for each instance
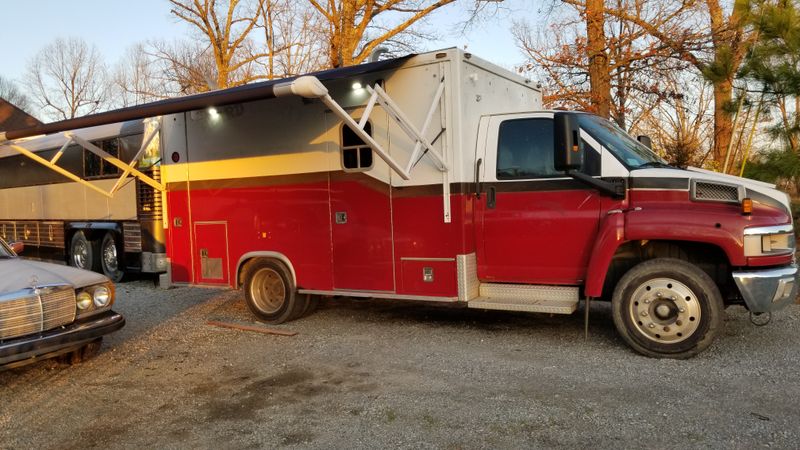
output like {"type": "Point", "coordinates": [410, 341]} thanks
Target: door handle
{"type": "Point", "coordinates": [491, 197]}
{"type": "Point", "coordinates": [341, 217]}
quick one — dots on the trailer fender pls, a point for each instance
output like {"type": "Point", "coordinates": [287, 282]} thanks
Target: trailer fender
{"type": "Point", "coordinates": [609, 237]}
{"type": "Point", "coordinates": [263, 254]}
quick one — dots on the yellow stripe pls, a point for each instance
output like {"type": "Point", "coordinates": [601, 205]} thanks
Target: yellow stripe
{"type": "Point", "coordinates": [258, 166]}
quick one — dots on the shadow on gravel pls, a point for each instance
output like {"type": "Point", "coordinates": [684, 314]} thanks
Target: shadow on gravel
{"type": "Point", "coordinates": [457, 317]}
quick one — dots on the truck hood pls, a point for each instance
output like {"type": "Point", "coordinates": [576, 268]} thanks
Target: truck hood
{"type": "Point", "coordinates": [17, 274]}
{"type": "Point", "coordinates": [760, 188]}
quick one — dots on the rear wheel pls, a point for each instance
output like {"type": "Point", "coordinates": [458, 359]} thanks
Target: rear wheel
{"type": "Point", "coordinates": [109, 258]}
{"type": "Point", "coordinates": [667, 308]}
{"type": "Point", "coordinates": [83, 253]}
{"type": "Point", "coordinates": [270, 292]}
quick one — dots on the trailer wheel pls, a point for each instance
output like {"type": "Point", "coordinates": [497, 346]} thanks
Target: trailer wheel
{"type": "Point", "coordinates": [270, 292]}
{"type": "Point", "coordinates": [83, 252]}
{"type": "Point", "coordinates": [109, 258]}
{"type": "Point", "coordinates": [667, 308]}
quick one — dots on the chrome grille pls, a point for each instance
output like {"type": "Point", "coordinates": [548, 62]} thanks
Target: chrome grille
{"type": "Point", "coordinates": [35, 311]}
{"type": "Point", "coordinates": [58, 308]}
{"type": "Point", "coordinates": [715, 192]}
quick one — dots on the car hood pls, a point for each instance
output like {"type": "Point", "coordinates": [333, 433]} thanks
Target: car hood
{"type": "Point", "coordinates": [17, 274]}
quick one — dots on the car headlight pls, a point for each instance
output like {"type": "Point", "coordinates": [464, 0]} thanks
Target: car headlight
{"type": "Point", "coordinates": [101, 296]}
{"type": "Point", "coordinates": [83, 301]}
{"type": "Point", "coordinates": [94, 299]}
{"type": "Point", "coordinates": [769, 241]}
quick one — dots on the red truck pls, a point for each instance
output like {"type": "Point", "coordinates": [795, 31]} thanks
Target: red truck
{"type": "Point", "coordinates": [439, 178]}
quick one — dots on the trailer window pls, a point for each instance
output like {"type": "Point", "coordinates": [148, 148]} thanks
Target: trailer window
{"type": "Point", "coordinates": [95, 166]}
{"type": "Point", "coordinates": [356, 154]}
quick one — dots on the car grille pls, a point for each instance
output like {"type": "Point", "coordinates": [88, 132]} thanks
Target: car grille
{"type": "Point", "coordinates": [36, 311]}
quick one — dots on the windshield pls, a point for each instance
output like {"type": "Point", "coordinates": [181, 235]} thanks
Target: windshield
{"type": "Point", "coordinates": [630, 151]}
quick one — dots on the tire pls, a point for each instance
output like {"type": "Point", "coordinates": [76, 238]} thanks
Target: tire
{"type": "Point", "coordinates": [82, 354]}
{"type": "Point", "coordinates": [311, 305]}
{"type": "Point", "coordinates": [110, 262]}
{"type": "Point", "coordinates": [667, 308]}
{"type": "Point", "coordinates": [270, 292]}
{"type": "Point", "coordinates": [84, 253]}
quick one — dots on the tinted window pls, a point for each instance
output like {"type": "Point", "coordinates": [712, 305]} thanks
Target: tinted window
{"type": "Point", "coordinates": [525, 149]}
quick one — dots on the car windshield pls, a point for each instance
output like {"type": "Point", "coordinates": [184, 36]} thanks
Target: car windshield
{"type": "Point", "coordinates": [630, 151]}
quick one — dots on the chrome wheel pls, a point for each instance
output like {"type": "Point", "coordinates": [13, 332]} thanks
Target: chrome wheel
{"type": "Point", "coordinates": [665, 310]}
{"type": "Point", "coordinates": [80, 254]}
{"type": "Point", "coordinates": [110, 256]}
{"type": "Point", "coordinates": [267, 290]}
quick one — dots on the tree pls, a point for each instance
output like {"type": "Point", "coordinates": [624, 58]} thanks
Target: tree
{"type": "Point", "coordinates": [596, 47]}
{"type": "Point", "coordinates": [137, 78]}
{"type": "Point", "coordinates": [628, 78]}
{"type": "Point", "coordinates": [293, 37]}
{"type": "Point", "coordinates": [349, 24]}
{"type": "Point", "coordinates": [774, 61]}
{"type": "Point", "coordinates": [12, 94]}
{"type": "Point", "coordinates": [67, 79]}
{"type": "Point", "coordinates": [714, 40]}
{"type": "Point", "coordinates": [225, 27]}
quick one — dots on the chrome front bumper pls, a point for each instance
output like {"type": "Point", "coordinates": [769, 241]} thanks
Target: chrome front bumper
{"type": "Point", "coordinates": [769, 289]}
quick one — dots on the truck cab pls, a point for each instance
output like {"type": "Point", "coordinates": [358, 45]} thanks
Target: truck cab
{"type": "Point", "coordinates": [569, 199]}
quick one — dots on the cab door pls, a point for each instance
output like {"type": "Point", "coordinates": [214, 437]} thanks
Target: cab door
{"type": "Point", "coordinates": [534, 225]}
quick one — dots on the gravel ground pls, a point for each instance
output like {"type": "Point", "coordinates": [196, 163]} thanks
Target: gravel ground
{"type": "Point", "coordinates": [376, 373]}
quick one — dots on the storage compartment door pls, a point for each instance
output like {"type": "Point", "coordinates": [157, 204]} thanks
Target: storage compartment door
{"type": "Point", "coordinates": [211, 252]}
{"type": "Point", "coordinates": [362, 234]}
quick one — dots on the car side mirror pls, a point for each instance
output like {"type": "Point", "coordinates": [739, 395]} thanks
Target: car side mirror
{"type": "Point", "coordinates": [18, 247]}
{"type": "Point", "coordinates": [568, 145]}
{"type": "Point", "coordinates": [646, 141]}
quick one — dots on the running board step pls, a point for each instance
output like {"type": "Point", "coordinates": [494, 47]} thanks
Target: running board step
{"type": "Point", "coordinates": [515, 297]}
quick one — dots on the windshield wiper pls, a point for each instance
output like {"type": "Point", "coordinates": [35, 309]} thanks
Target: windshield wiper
{"type": "Point", "coordinates": [651, 164]}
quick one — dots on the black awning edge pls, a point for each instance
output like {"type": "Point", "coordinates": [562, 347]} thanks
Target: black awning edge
{"type": "Point", "coordinates": [239, 94]}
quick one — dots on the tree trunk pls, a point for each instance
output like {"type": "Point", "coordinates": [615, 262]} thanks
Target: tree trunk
{"type": "Point", "coordinates": [723, 123]}
{"type": "Point", "coordinates": [599, 76]}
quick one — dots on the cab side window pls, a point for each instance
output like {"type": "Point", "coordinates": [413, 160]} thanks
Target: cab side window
{"type": "Point", "coordinates": [525, 150]}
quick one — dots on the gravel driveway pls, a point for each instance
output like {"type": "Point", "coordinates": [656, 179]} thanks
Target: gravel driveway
{"type": "Point", "coordinates": [377, 373]}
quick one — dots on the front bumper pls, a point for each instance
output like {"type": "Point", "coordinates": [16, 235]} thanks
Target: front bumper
{"type": "Point", "coordinates": [768, 290]}
{"type": "Point", "coordinates": [26, 349]}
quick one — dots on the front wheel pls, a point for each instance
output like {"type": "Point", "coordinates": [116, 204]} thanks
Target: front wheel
{"type": "Point", "coordinates": [667, 308]}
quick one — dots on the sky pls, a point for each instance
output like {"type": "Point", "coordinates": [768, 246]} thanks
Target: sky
{"type": "Point", "coordinates": [115, 25]}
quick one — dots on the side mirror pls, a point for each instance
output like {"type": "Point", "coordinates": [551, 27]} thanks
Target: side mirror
{"type": "Point", "coordinates": [18, 247]}
{"type": "Point", "coordinates": [646, 141]}
{"type": "Point", "coordinates": [568, 148]}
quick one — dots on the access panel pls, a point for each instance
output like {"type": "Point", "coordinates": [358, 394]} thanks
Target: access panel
{"type": "Point", "coordinates": [211, 252]}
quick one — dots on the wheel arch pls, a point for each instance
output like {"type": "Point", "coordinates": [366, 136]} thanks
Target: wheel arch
{"type": "Point", "coordinates": [710, 258]}
{"type": "Point", "coordinates": [250, 256]}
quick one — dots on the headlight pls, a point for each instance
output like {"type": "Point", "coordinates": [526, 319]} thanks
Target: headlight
{"type": "Point", "coordinates": [101, 296]}
{"type": "Point", "coordinates": [94, 299]}
{"type": "Point", "coordinates": [83, 300]}
{"type": "Point", "coordinates": [769, 241]}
